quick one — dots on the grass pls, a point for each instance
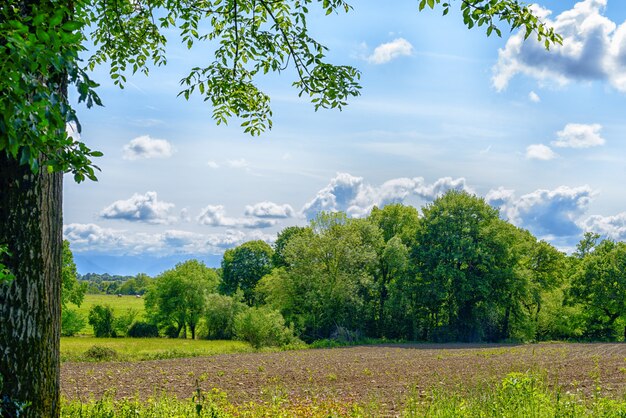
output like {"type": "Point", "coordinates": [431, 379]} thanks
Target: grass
{"type": "Point", "coordinates": [137, 349]}
{"type": "Point", "coordinates": [517, 395]}
{"type": "Point", "coordinates": [120, 306]}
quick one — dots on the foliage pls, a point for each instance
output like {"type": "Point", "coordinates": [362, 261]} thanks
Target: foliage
{"type": "Point", "coordinates": [599, 285]}
{"type": "Point", "coordinates": [142, 329]}
{"type": "Point", "coordinates": [72, 291]}
{"type": "Point", "coordinates": [72, 322]}
{"type": "Point", "coordinates": [488, 12]}
{"type": "Point", "coordinates": [220, 315]}
{"type": "Point", "coordinates": [262, 327]}
{"type": "Point", "coordinates": [122, 322]}
{"type": "Point", "coordinates": [282, 239]}
{"type": "Point", "coordinates": [102, 320]}
{"type": "Point", "coordinates": [244, 266]}
{"type": "Point", "coordinates": [176, 299]}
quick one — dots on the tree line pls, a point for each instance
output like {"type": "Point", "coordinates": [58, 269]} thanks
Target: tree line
{"type": "Point", "coordinates": [455, 272]}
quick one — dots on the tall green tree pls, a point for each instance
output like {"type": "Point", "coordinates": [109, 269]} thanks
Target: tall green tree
{"type": "Point", "coordinates": [244, 266]}
{"type": "Point", "coordinates": [456, 271]}
{"type": "Point", "coordinates": [40, 42]}
{"type": "Point", "coordinates": [599, 285]}
{"type": "Point", "coordinates": [398, 225]}
{"type": "Point", "coordinates": [176, 298]}
{"type": "Point", "coordinates": [329, 277]}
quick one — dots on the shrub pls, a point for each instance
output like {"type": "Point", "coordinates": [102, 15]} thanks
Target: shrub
{"type": "Point", "coordinates": [263, 327]}
{"type": "Point", "coordinates": [101, 318]}
{"type": "Point", "coordinates": [143, 330]}
{"type": "Point", "coordinates": [122, 324]}
{"type": "Point", "coordinates": [100, 353]}
{"type": "Point", "coordinates": [220, 316]}
{"type": "Point", "coordinates": [71, 322]}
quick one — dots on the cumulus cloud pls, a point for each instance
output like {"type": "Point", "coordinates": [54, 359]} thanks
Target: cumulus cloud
{"type": "Point", "coordinates": [215, 215]}
{"type": "Point", "coordinates": [213, 164]}
{"type": "Point", "coordinates": [93, 238]}
{"type": "Point", "coordinates": [140, 208]}
{"type": "Point", "coordinates": [540, 152]}
{"type": "Point", "coordinates": [613, 227]}
{"type": "Point", "coordinates": [391, 50]}
{"type": "Point", "coordinates": [147, 147]}
{"type": "Point", "coordinates": [594, 48]}
{"type": "Point", "coordinates": [352, 195]}
{"type": "Point", "coordinates": [270, 210]}
{"type": "Point", "coordinates": [576, 135]}
{"type": "Point", "coordinates": [534, 97]}
{"type": "Point", "coordinates": [546, 213]}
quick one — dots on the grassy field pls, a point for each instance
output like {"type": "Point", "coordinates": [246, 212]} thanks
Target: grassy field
{"type": "Point", "coordinates": [120, 306]}
{"type": "Point", "coordinates": [420, 380]}
{"type": "Point", "coordinates": [136, 349]}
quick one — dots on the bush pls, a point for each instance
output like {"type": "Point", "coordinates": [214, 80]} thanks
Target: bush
{"type": "Point", "coordinates": [100, 353]}
{"type": "Point", "coordinates": [101, 318]}
{"type": "Point", "coordinates": [263, 327]}
{"type": "Point", "coordinates": [71, 322]}
{"type": "Point", "coordinates": [143, 330]}
{"type": "Point", "coordinates": [220, 316]}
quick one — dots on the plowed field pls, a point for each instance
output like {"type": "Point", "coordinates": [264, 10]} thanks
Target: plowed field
{"type": "Point", "coordinates": [381, 374]}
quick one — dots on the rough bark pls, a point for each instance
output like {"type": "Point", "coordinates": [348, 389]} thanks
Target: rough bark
{"type": "Point", "coordinates": [31, 224]}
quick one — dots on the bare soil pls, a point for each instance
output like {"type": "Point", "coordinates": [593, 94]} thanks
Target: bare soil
{"type": "Point", "coordinates": [381, 374]}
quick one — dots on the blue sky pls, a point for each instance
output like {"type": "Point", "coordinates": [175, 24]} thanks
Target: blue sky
{"type": "Point", "coordinates": [539, 134]}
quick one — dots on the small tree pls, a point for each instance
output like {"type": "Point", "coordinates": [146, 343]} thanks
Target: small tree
{"type": "Point", "coordinates": [101, 318]}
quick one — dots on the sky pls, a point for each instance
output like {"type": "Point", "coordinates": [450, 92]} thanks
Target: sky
{"type": "Point", "coordinates": [538, 134]}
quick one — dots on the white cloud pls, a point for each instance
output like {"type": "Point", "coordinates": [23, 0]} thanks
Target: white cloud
{"type": "Point", "coordinates": [534, 97]}
{"type": "Point", "coordinates": [546, 213]}
{"type": "Point", "coordinates": [613, 227]}
{"type": "Point", "coordinates": [239, 163]}
{"type": "Point", "coordinates": [215, 215]}
{"type": "Point", "coordinates": [93, 238]}
{"type": "Point", "coordinates": [576, 135]}
{"type": "Point", "coordinates": [141, 208]}
{"type": "Point", "coordinates": [540, 152]}
{"type": "Point", "coordinates": [270, 210]}
{"type": "Point", "coordinates": [213, 164]}
{"type": "Point", "coordinates": [146, 147]}
{"type": "Point", "coordinates": [352, 195]}
{"type": "Point", "coordinates": [391, 50]}
{"type": "Point", "coordinates": [594, 48]}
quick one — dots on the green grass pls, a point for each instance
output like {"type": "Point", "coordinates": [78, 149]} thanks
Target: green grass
{"type": "Point", "coordinates": [120, 306]}
{"type": "Point", "coordinates": [518, 395]}
{"type": "Point", "coordinates": [135, 349]}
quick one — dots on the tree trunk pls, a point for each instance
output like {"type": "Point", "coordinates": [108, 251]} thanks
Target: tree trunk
{"type": "Point", "coordinates": [31, 225]}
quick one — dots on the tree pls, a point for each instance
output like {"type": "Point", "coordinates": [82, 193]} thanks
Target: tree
{"type": "Point", "coordinates": [244, 266]}
{"type": "Point", "coordinates": [40, 42]}
{"type": "Point", "coordinates": [177, 297]}
{"type": "Point", "coordinates": [398, 224]}
{"type": "Point", "coordinates": [101, 318]}
{"type": "Point", "coordinates": [72, 291]}
{"type": "Point", "coordinates": [599, 285]}
{"type": "Point", "coordinates": [329, 276]}
{"type": "Point", "coordinates": [456, 271]}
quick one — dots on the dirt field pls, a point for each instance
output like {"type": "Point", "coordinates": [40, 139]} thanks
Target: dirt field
{"type": "Point", "coordinates": [383, 374]}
